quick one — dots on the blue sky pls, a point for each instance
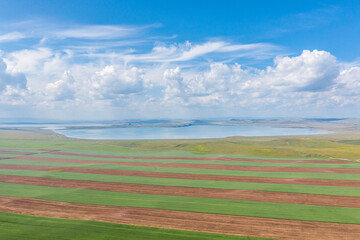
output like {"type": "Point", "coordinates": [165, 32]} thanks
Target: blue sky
{"type": "Point", "coordinates": [184, 59]}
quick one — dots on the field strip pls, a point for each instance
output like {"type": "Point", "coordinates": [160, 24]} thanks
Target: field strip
{"type": "Point", "coordinates": [201, 166]}
{"type": "Point", "coordinates": [9, 156]}
{"type": "Point", "coordinates": [16, 152]}
{"type": "Point", "coordinates": [124, 170]}
{"type": "Point", "coordinates": [171, 154]}
{"type": "Point", "coordinates": [230, 163]}
{"type": "Point", "coordinates": [189, 204]}
{"type": "Point", "coordinates": [157, 155]}
{"type": "Point", "coordinates": [87, 156]}
{"type": "Point", "coordinates": [214, 223]}
{"type": "Point", "coordinates": [16, 226]}
{"type": "Point", "coordinates": [287, 188]}
{"type": "Point", "coordinates": [290, 181]}
{"type": "Point", "coordinates": [27, 150]}
{"type": "Point", "coordinates": [248, 195]}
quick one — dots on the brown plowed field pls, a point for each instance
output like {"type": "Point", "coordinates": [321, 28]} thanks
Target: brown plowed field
{"type": "Point", "coordinates": [248, 195]}
{"type": "Point", "coordinates": [295, 181]}
{"type": "Point", "coordinates": [197, 158]}
{"type": "Point", "coordinates": [201, 166]}
{"type": "Point", "coordinates": [215, 223]}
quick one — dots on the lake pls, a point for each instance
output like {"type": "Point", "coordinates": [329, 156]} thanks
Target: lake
{"type": "Point", "coordinates": [190, 132]}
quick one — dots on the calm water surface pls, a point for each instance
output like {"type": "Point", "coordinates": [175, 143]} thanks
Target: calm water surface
{"type": "Point", "coordinates": [191, 132]}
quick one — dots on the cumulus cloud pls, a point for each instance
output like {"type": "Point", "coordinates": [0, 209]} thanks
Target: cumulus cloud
{"type": "Point", "coordinates": [311, 71]}
{"type": "Point", "coordinates": [311, 78]}
{"type": "Point", "coordinates": [347, 88]}
{"type": "Point", "coordinates": [29, 60]}
{"type": "Point", "coordinates": [112, 82]}
{"type": "Point", "coordinates": [63, 89]}
{"type": "Point", "coordinates": [209, 87]}
{"type": "Point", "coordinates": [13, 85]}
{"type": "Point", "coordinates": [174, 84]}
{"type": "Point", "coordinates": [11, 78]}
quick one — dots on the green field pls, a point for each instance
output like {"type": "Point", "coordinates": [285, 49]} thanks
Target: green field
{"type": "Point", "coordinates": [228, 163]}
{"type": "Point", "coordinates": [333, 176]}
{"type": "Point", "coordinates": [34, 228]}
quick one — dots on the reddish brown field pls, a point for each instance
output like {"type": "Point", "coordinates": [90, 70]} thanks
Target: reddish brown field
{"type": "Point", "coordinates": [215, 223]}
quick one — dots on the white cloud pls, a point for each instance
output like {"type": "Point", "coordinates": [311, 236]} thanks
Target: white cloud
{"type": "Point", "coordinates": [112, 82]}
{"type": "Point", "coordinates": [349, 79]}
{"type": "Point", "coordinates": [347, 88]}
{"type": "Point", "coordinates": [10, 78]}
{"type": "Point", "coordinates": [311, 79]}
{"type": "Point", "coordinates": [188, 51]}
{"type": "Point", "coordinates": [215, 86]}
{"type": "Point", "coordinates": [45, 30]}
{"type": "Point", "coordinates": [11, 36]}
{"type": "Point", "coordinates": [63, 89]}
{"type": "Point", "coordinates": [111, 70]}
{"type": "Point", "coordinates": [174, 84]}
{"type": "Point", "coordinates": [96, 32]}
{"type": "Point", "coordinates": [13, 85]}
{"type": "Point", "coordinates": [29, 60]}
{"type": "Point", "coordinates": [311, 71]}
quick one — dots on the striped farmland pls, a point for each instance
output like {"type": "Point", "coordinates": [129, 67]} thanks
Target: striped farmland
{"type": "Point", "coordinates": [260, 198]}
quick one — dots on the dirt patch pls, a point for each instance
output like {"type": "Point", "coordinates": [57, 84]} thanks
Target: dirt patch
{"type": "Point", "coordinates": [214, 223]}
{"type": "Point", "coordinates": [201, 166]}
{"type": "Point", "coordinates": [248, 195]}
{"type": "Point", "coordinates": [55, 152]}
{"type": "Point", "coordinates": [294, 181]}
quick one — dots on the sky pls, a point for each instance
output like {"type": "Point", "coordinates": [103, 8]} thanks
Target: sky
{"type": "Point", "coordinates": [106, 60]}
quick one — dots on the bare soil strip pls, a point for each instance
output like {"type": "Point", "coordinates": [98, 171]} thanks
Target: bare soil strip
{"type": "Point", "coordinates": [295, 181]}
{"type": "Point", "coordinates": [198, 158]}
{"type": "Point", "coordinates": [214, 223]}
{"type": "Point", "coordinates": [247, 195]}
{"type": "Point", "coordinates": [201, 166]}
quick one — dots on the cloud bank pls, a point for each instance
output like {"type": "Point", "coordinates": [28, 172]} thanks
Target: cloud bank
{"type": "Point", "coordinates": [119, 72]}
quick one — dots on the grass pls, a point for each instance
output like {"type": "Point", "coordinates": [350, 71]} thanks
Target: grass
{"type": "Point", "coordinates": [190, 204]}
{"type": "Point", "coordinates": [329, 176]}
{"type": "Point", "coordinates": [306, 189]}
{"type": "Point", "coordinates": [6, 155]}
{"type": "Point", "coordinates": [14, 227]}
{"type": "Point", "coordinates": [172, 154]}
{"type": "Point", "coordinates": [213, 162]}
